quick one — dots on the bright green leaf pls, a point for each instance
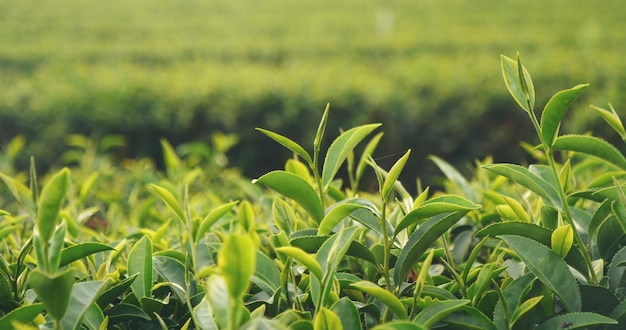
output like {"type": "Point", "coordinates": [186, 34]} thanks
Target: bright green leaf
{"type": "Point", "coordinates": [211, 218]}
{"type": "Point", "coordinates": [393, 175]}
{"type": "Point", "coordinates": [170, 201]}
{"type": "Point", "coordinates": [140, 262]}
{"type": "Point", "coordinates": [436, 311]}
{"type": "Point", "coordinates": [50, 203]}
{"type": "Point", "coordinates": [518, 82]}
{"type": "Point", "coordinates": [334, 216]}
{"type": "Point", "coordinates": [386, 297]}
{"type": "Point", "coordinates": [562, 240]}
{"type": "Point", "coordinates": [288, 143]}
{"type": "Point", "coordinates": [325, 319]}
{"type": "Point", "coordinates": [612, 118]}
{"type": "Point", "coordinates": [592, 146]}
{"type": "Point", "coordinates": [555, 110]}
{"type": "Point", "coordinates": [236, 260]}
{"type": "Point", "coordinates": [524, 308]}
{"type": "Point", "coordinates": [340, 148]}
{"type": "Point", "coordinates": [296, 188]}
{"type": "Point", "coordinates": [526, 178]}
{"type": "Point", "coordinates": [304, 258]}
{"type": "Point", "coordinates": [434, 206]}
{"type": "Point", "coordinates": [83, 297]}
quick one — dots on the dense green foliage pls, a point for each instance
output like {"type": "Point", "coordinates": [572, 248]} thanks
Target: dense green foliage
{"type": "Point", "coordinates": [185, 70]}
{"type": "Point", "coordinates": [199, 247]}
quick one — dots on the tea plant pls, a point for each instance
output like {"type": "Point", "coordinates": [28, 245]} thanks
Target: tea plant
{"type": "Point", "coordinates": [513, 247]}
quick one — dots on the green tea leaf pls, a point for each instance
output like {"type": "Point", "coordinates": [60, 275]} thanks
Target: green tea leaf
{"type": "Point", "coordinates": [524, 308]}
{"type": "Point", "coordinates": [140, 262]}
{"type": "Point", "coordinates": [325, 319]}
{"type": "Point", "coordinates": [203, 315]}
{"type": "Point", "coordinates": [83, 297]}
{"type": "Point", "coordinates": [329, 256]}
{"type": "Point", "coordinates": [511, 298]}
{"type": "Point", "coordinates": [284, 217]}
{"type": "Point", "coordinates": [50, 203]}
{"type": "Point", "coordinates": [125, 312]}
{"type": "Point", "coordinates": [549, 268]}
{"type": "Point", "coordinates": [612, 118]}
{"type": "Point", "coordinates": [422, 239]}
{"type": "Point", "coordinates": [115, 291]}
{"type": "Point", "coordinates": [304, 258]}
{"type": "Point", "coordinates": [54, 291]}
{"type": "Point", "coordinates": [289, 144]}
{"type": "Point", "coordinates": [170, 201]}
{"type": "Point", "coordinates": [592, 146]}
{"type": "Point", "coordinates": [334, 216]}
{"type": "Point", "coordinates": [211, 218]}
{"type": "Point", "coordinates": [367, 152]}
{"type": "Point", "coordinates": [55, 247]}
{"type": "Point", "coordinates": [236, 260]}
{"type": "Point", "coordinates": [340, 148]}
{"type": "Point", "coordinates": [393, 175]}
{"type": "Point", "coordinates": [171, 160]}
{"type": "Point", "coordinates": [436, 311]}
{"type": "Point", "coordinates": [349, 313]}
{"type": "Point", "coordinates": [519, 85]}
{"type": "Point", "coordinates": [526, 178]}
{"type": "Point", "coordinates": [555, 110]}
{"type": "Point", "coordinates": [386, 297]}
{"type": "Point", "coordinates": [317, 142]}
{"type": "Point", "coordinates": [468, 317]}
{"type": "Point", "coordinates": [434, 206]}
{"type": "Point", "coordinates": [174, 273]}
{"type": "Point", "coordinates": [21, 315]}
{"type": "Point", "coordinates": [296, 188]}
{"type": "Point", "coordinates": [399, 325]}
{"type": "Point", "coordinates": [562, 240]}
{"type": "Point", "coordinates": [583, 320]}
{"type": "Point", "coordinates": [266, 274]}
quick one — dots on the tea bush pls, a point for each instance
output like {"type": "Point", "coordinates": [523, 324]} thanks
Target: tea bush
{"type": "Point", "coordinates": [199, 247]}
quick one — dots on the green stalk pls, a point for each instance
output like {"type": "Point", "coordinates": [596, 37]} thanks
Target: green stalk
{"type": "Point", "coordinates": [566, 210]}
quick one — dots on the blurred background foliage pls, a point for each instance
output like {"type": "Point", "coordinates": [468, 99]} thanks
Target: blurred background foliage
{"type": "Point", "coordinates": [429, 70]}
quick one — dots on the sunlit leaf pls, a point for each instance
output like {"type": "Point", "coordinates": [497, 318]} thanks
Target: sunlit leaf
{"type": "Point", "coordinates": [296, 188]}
{"type": "Point", "coordinates": [555, 110]}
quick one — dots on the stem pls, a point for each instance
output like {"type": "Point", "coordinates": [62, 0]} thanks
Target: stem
{"type": "Point", "coordinates": [566, 211]}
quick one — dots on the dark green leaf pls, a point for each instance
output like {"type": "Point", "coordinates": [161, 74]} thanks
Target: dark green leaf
{"type": "Point", "coordinates": [83, 297]}
{"type": "Point", "coordinates": [549, 268]}
{"type": "Point", "coordinates": [349, 313]}
{"type": "Point", "coordinates": [422, 239]}
{"type": "Point", "coordinates": [53, 291]}
{"type": "Point", "coordinates": [583, 320]}
{"type": "Point", "coordinates": [21, 315]}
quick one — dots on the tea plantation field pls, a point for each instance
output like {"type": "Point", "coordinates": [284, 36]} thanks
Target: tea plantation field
{"type": "Point", "coordinates": [427, 70]}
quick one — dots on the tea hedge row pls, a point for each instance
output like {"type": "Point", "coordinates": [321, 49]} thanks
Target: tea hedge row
{"type": "Point", "coordinates": [511, 247]}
